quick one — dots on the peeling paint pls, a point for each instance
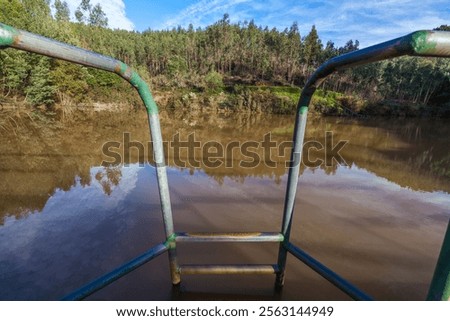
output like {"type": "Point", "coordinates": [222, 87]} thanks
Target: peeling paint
{"type": "Point", "coordinates": [170, 242]}
{"type": "Point", "coordinates": [303, 110]}
{"type": "Point", "coordinates": [123, 68]}
{"type": "Point", "coordinates": [420, 42]}
{"type": "Point", "coordinates": [171, 238]}
{"type": "Point", "coordinates": [144, 92]}
{"type": "Point", "coordinates": [117, 69]}
{"type": "Point", "coordinates": [8, 35]}
{"type": "Point", "coordinates": [130, 75]}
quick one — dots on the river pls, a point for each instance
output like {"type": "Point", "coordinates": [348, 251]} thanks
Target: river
{"type": "Point", "coordinates": [373, 203]}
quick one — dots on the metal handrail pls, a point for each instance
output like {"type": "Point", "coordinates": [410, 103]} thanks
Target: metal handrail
{"type": "Point", "coordinates": [419, 43]}
{"type": "Point", "coordinates": [440, 284]}
{"type": "Point", "coordinates": [23, 40]}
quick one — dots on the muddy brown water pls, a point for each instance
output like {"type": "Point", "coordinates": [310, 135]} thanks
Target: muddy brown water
{"type": "Point", "coordinates": [376, 215]}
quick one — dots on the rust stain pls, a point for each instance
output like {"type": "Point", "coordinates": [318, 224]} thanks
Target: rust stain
{"type": "Point", "coordinates": [236, 234]}
{"type": "Point", "coordinates": [16, 40]}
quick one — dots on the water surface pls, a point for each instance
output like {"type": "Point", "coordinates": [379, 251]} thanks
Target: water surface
{"type": "Point", "coordinates": [377, 216]}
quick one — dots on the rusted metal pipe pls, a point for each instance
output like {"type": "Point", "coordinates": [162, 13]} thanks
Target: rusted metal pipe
{"type": "Point", "coordinates": [420, 43]}
{"type": "Point", "coordinates": [229, 269]}
{"type": "Point", "coordinates": [289, 201]}
{"type": "Point", "coordinates": [230, 237]}
{"type": "Point", "coordinates": [23, 40]}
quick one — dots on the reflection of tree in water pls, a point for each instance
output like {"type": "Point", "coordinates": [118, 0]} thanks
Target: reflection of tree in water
{"type": "Point", "coordinates": [45, 155]}
{"type": "Point", "coordinates": [109, 177]}
{"type": "Point", "coordinates": [441, 167]}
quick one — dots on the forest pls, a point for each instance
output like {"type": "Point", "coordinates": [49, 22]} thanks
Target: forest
{"type": "Point", "coordinates": [241, 61]}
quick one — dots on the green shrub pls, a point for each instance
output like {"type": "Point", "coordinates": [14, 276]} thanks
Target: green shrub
{"type": "Point", "coordinates": [214, 82]}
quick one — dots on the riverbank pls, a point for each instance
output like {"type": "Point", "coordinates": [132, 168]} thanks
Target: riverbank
{"type": "Point", "coordinates": [281, 100]}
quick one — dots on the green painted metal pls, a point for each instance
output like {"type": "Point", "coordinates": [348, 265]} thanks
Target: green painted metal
{"type": "Point", "coordinates": [440, 285]}
{"type": "Point", "coordinates": [425, 43]}
{"type": "Point", "coordinates": [7, 35]}
{"type": "Point", "coordinates": [144, 92]}
{"type": "Point", "coordinates": [26, 41]}
{"type": "Point", "coordinates": [141, 86]}
{"type": "Point", "coordinates": [19, 39]}
{"type": "Point", "coordinates": [420, 43]}
{"type": "Point", "coordinates": [303, 110]}
{"type": "Point", "coordinates": [291, 191]}
{"type": "Point", "coordinates": [171, 239]}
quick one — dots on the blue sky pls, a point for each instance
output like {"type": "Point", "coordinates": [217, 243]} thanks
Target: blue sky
{"type": "Point", "coordinates": [370, 21]}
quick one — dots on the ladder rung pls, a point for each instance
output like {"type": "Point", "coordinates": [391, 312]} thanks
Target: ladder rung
{"type": "Point", "coordinates": [230, 237]}
{"type": "Point", "coordinates": [229, 269]}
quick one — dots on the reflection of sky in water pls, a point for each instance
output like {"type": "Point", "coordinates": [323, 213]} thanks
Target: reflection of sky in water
{"type": "Point", "coordinates": [355, 178]}
{"type": "Point", "coordinates": [81, 200]}
{"type": "Point", "coordinates": [82, 208]}
{"type": "Point", "coordinates": [71, 234]}
{"type": "Point", "coordinates": [88, 229]}
{"type": "Point", "coordinates": [88, 197]}
{"type": "Point", "coordinates": [85, 230]}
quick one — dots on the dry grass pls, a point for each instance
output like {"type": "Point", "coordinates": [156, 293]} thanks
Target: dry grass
{"type": "Point", "coordinates": [13, 118]}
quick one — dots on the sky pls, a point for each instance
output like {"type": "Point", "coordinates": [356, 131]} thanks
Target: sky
{"type": "Point", "coordinates": [369, 21]}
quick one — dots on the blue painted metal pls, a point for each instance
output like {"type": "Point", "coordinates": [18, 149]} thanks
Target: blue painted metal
{"type": "Point", "coordinates": [327, 273]}
{"type": "Point", "coordinates": [23, 40]}
{"type": "Point", "coordinates": [116, 274]}
{"type": "Point", "coordinates": [420, 43]}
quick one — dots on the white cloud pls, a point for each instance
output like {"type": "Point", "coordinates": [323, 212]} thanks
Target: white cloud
{"type": "Point", "coordinates": [338, 20]}
{"type": "Point", "coordinates": [368, 21]}
{"type": "Point", "coordinates": [201, 11]}
{"type": "Point", "coordinates": [114, 10]}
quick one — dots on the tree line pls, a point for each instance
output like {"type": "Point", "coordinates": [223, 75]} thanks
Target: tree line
{"type": "Point", "coordinates": [221, 54]}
